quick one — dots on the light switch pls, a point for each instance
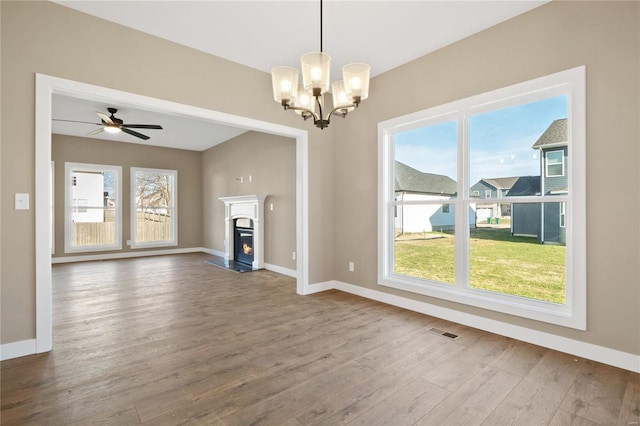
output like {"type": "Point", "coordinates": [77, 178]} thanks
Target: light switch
{"type": "Point", "coordinates": [22, 201]}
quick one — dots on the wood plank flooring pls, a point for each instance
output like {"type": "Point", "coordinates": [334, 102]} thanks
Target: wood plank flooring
{"type": "Point", "coordinates": [172, 340]}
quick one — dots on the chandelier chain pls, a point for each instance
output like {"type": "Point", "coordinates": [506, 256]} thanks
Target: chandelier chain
{"type": "Point", "coordinates": [321, 26]}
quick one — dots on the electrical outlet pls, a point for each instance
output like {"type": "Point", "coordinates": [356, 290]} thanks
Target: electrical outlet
{"type": "Point", "coordinates": [351, 267]}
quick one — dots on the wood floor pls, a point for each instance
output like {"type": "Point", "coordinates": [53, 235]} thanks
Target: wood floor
{"type": "Point", "coordinates": [173, 340]}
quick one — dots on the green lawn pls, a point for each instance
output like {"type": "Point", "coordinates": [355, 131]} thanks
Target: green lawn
{"type": "Point", "coordinates": [499, 262]}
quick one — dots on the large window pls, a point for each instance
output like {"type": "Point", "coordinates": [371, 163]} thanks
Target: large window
{"type": "Point", "coordinates": [527, 258]}
{"type": "Point", "coordinates": [153, 207]}
{"type": "Point", "coordinates": [93, 207]}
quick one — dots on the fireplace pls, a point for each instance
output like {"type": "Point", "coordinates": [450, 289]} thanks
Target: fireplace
{"type": "Point", "coordinates": [244, 230]}
{"type": "Point", "coordinates": [243, 241]}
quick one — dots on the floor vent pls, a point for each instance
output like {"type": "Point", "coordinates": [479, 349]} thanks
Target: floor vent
{"type": "Point", "coordinates": [443, 333]}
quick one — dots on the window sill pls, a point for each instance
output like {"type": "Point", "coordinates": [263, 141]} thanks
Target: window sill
{"type": "Point", "coordinates": [513, 305]}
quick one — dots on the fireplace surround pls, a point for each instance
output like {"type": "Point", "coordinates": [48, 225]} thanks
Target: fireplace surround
{"type": "Point", "coordinates": [248, 209]}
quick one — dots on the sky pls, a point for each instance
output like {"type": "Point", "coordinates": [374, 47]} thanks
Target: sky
{"type": "Point", "coordinates": [499, 142]}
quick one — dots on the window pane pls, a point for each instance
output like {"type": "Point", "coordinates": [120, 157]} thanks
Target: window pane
{"type": "Point", "coordinates": [424, 242]}
{"type": "Point", "coordinates": [522, 256]}
{"type": "Point", "coordinates": [93, 207]}
{"type": "Point", "coordinates": [555, 165]}
{"type": "Point", "coordinates": [507, 148]}
{"type": "Point", "coordinates": [519, 151]}
{"type": "Point", "coordinates": [153, 225]}
{"type": "Point", "coordinates": [154, 213]}
{"type": "Point", "coordinates": [153, 190]}
{"type": "Point", "coordinates": [426, 162]}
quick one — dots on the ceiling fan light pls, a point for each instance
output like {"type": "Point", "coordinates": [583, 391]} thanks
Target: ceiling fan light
{"type": "Point", "coordinates": [316, 70]}
{"type": "Point", "coordinates": [356, 79]}
{"type": "Point", "coordinates": [112, 129]}
{"type": "Point", "coordinates": [285, 83]}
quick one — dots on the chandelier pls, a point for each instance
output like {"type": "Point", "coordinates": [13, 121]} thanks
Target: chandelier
{"type": "Point", "coordinates": [307, 99]}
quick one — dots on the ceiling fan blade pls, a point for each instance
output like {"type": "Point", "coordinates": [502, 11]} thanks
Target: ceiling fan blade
{"type": "Point", "coordinates": [105, 118]}
{"type": "Point", "coordinates": [134, 133]}
{"type": "Point", "coordinates": [96, 131]}
{"type": "Point", "coordinates": [74, 121]}
{"type": "Point", "coordinates": [143, 126]}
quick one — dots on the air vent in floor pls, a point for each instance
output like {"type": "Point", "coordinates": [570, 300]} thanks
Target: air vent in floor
{"type": "Point", "coordinates": [444, 333]}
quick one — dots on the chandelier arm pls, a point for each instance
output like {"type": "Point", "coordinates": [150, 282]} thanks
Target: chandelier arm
{"type": "Point", "coordinates": [315, 116]}
{"type": "Point", "coordinates": [354, 105]}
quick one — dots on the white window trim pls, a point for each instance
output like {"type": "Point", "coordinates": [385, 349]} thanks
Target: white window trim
{"type": "Point", "coordinates": [546, 162]}
{"type": "Point", "coordinates": [68, 214]}
{"type": "Point", "coordinates": [573, 313]}
{"type": "Point", "coordinates": [487, 194]}
{"type": "Point", "coordinates": [174, 209]}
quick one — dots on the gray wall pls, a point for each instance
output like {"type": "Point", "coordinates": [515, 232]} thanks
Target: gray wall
{"type": "Point", "coordinates": [44, 37]}
{"type": "Point", "coordinates": [48, 38]}
{"type": "Point", "coordinates": [271, 162]}
{"type": "Point", "coordinates": [604, 36]}
{"type": "Point", "coordinates": [84, 150]}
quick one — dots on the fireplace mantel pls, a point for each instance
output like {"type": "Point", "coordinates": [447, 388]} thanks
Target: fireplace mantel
{"type": "Point", "coordinates": [245, 206]}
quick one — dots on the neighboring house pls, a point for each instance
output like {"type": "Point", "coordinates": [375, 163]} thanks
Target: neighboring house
{"type": "Point", "coordinates": [487, 189]}
{"type": "Point", "coordinates": [546, 221]}
{"type": "Point", "coordinates": [87, 192]}
{"type": "Point", "coordinates": [414, 185]}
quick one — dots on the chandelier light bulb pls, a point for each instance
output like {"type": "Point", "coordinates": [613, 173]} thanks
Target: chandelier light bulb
{"type": "Point", "coordinates": [307, 99]}
{"type": "Point", "coordinates": [316, 74]}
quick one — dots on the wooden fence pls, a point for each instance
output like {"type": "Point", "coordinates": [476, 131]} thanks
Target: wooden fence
{"type": "Point", "coordinates": [149, 227]}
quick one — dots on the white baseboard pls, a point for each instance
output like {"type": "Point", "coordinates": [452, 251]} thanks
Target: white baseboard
{"type": "Point", "coordinates": [590, 351]}
{"type": "Point", "coordinates": [212, 252]}
{"type": "Point", "coordinates": [281, 270]}
{"type": "Point", "coordinates": [126, 255]}
{"type": "Point", "coordinates": [323, 286]}
{"type": "Point", "coordinates": [130, 254]}
{"type": "Point", "coordinates": [17, 349]}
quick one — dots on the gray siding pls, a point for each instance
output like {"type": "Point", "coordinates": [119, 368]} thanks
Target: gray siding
{"type": "Point", "coordinates": [525, 219]}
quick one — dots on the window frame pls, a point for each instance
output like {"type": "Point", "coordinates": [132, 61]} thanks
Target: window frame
{"type": "Point", "coordinates": [69, 167]}
{"type": "Point", "coordinates": [487, 194]}
{"type": "Point", "coordinates": [134, 244]}
{"type": "Point", "coordinates": [572, 314]}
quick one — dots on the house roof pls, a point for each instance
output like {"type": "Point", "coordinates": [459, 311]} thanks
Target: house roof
{"type": "Point", "coordinates": [409, 179]}
{"type": "Point", "coordinates": [555, 134]}
{"type": "Point", "coordinates": [525, 185]}
{"type": "Point", "coordinates": [502, 182]}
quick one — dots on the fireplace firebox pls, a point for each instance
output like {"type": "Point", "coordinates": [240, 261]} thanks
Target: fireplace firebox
{"type": "Point", "coordinates": [243, 241]}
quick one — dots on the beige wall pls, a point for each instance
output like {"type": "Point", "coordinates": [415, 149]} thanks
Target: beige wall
{"type": "Point", "coordinates": [84, 150]}
{"type": "Point", "coordinates": [50, 39]}
{"type": "Point", "coordinates": [605, 37]}
{"type": "Point", "coordinates": [270, 160]}
{"type": "Point", "coordinates": [44, 37]}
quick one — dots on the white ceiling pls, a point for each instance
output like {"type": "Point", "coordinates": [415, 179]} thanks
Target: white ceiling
{"type": "Point", "coordinates": [177, 131]}
{"type": "Point", "coordinates": [263, 34]}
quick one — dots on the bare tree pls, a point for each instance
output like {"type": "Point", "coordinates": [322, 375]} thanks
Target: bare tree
{"type": "Point", "coordinates": [153, 190]}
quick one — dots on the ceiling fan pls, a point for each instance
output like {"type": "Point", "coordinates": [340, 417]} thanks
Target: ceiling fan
{"type": "Point", "coordinates": [112, 124]}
